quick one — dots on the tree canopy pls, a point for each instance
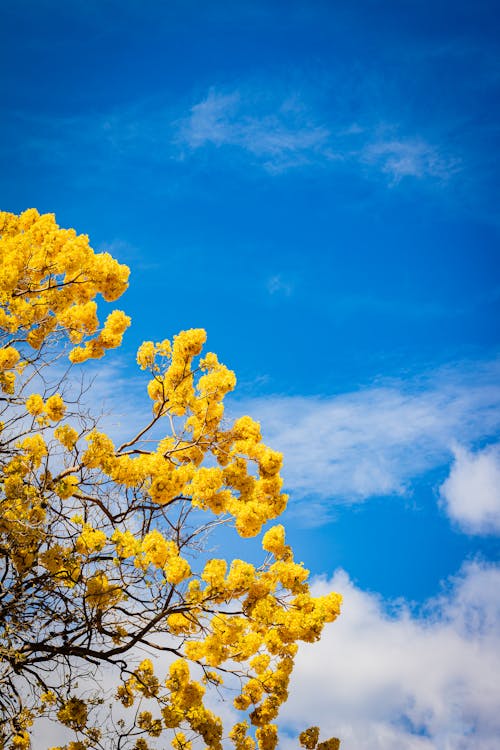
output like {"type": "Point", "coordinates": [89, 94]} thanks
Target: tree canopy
{"type": "Point", "coordinates": [107, 586]}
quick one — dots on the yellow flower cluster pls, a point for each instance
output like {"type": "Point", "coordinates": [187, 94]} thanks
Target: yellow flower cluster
{"type": "Point", "coordinates": [309, 738]}
{"type": "Point", "coordinates": [102, 594]}
{"type": "Point", "coordinates": [35, 404]}
{"type": "Point", "coordinates": [49, 278]}
{"type": "Point", "coordinates": [73, 713]}
{"type": "Point", "coordinates": [21, 741]}
{"type": "Point", "coordinates": [34, 448]}
{"type": "Point", "coordinates": [8, 382]}
{"type": "Point", "coordinates": [61, 563]}
{"type": "Point", "coordinates": [265, 636]}
{"type": "Point", "coordinates": [106, 520]}
{"type": "Point", "coordinates": [239, 737]}
{"type": "Point", "coordinates": [100, 453]}
{"type": "Point", "coordinates": [274, 540]}
{"type": "Point", "coordinates": [90, 540]}
{"type": "Point", "coordinates": [66, 486]}
{"type": "Point", "coordinates": [55, 408]}
{"type": "Point", "coordinates": [152, 726]}
{"type": "Point", "coordinates": [21, 738]}
{"type": "Point", "coordinates": [162, 553]}
{"type": "Point", "coordinates": [9, 357]}
{"type": "Point", "coordinates": [180, 742]}
{"type": "Point", "coordinates": [109, 338]}
{"type": "Point", "coordinates": [186, 700]}
{"type": "Point", "coordinates": [157, 550]}
{"type": "Point", "coordinates": [127, 545]}
{"type": "Point", "coordinates": [66, 435]}
{"type": "Point", "coordinates": [22, 516]}
{"type": "Point", "coordinates": [143, 681]}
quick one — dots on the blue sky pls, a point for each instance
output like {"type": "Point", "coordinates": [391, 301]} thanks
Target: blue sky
{"type": "Point", "coordinates": [316, 184]}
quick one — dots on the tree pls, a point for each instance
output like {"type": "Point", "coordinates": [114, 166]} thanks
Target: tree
{"type": "Point", "coordinates": [103, 547]}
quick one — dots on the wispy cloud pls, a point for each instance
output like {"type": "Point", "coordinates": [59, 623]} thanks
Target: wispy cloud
{"type": "Point", "coordinates": [266, 127]}
{"type": "Point", "coordinates": [278, 134]}
{"type": "Point", "coordinates": [411, 157]}
{"type": "Point", "coordinates": [277, 284]}
{"type": "Point", "coordinates": [405, 681]}
{"type": "Point", "coordinates": [379, 440]}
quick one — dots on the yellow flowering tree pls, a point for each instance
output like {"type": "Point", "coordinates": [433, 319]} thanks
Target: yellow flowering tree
{"type": "Point", "coordinates": [105, 574]}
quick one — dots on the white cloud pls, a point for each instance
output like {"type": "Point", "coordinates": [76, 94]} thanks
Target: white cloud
{"type": "Point", "coordinates": [405, 681]}
{"type": "Point", "coordinates": [348, 447]}
{"type": "Point", "coordinates": [265, 125]}
{"type": "Point", "coordinates": [279, 134]}
{"type": "Point", "coordinates": [471, 493]}
{"type": "Point", "coordinates": [411, 157]}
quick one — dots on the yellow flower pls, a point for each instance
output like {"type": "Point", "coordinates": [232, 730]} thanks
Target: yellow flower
{"type": "Point", "coordinates": [156, 549]}
{"type": "Point", "coordinates": [73, 714]}
{"type": "Point", "coordinates": [146, 355]}
{"type": "Point", "coordinates": [177, 569]}
{"type": "Point", "coordinates": [9, 357]}
{"type": "Point", "coordinates": [214, 572]}
{"type": "Point", "coordinates": [55, 407]}
{"type": "Point", "coordinates": [309, 738]}
{"type": "Point", "coordinates": [49, 697]}
{"type": "Point", "coordinates": [274, 540]}
{"type": "Point", "coordinates": [267, 737]}
{"type": "Point", "coordinates": [34, 404]}
{"type": "Point", "coordinates": [66, 435]}
{"type": "Point", "coordinates": [100, 593]}
{"type": "Point", "coordinates": [90, 540]}
{"type": "Point", "coordinates": [21, 741]}
{"type": "Point", "coordinates": [180, 742]}
{"type": "Point", "coordinates": [8, 382]}
{"type": "Point", "coordinates": [65, 488]}
{"type": "Point", "coordinates": [126, 543]}
{"type": "Point", "coordinates": [332, 744]}
{"type": "Point", "coordinates": [34, 446]}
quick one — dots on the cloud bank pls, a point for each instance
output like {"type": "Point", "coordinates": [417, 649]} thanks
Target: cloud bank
{"type": "Point", "coordinates": [405, 681]}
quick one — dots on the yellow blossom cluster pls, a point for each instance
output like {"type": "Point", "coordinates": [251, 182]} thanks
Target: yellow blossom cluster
{"type": "Point", "coordinates": [63, 565]}
{"type": "Point", "coordinates": [183, 703]}
{"type": "Point", "coordinates": [49, 278]}
{"type": "Point", "coordinates": [245, 483]}
{"type": "Point", "coordinates": [21, 736]}
{"type": "Point", "coordinates": [55, 408]}
{"type": "Point", "coordinates": [109, 536]}
{"type": "Point", "coordinates": [90, 540]}
{"type": "Point", "coordinates": [73, 713]}
{"type": "Point", "coordinates": [101, 593]}
{"type": "Point", "coordinates": [127, 545]}
{"type": "Point", "coordinates": [66, 435]}
{"type": "Point", "coordinates": [309, 739]}
{"type": "Point", "coordinates": [66, 486]}
{"type": "Point", "coordinates": [22, 509]}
